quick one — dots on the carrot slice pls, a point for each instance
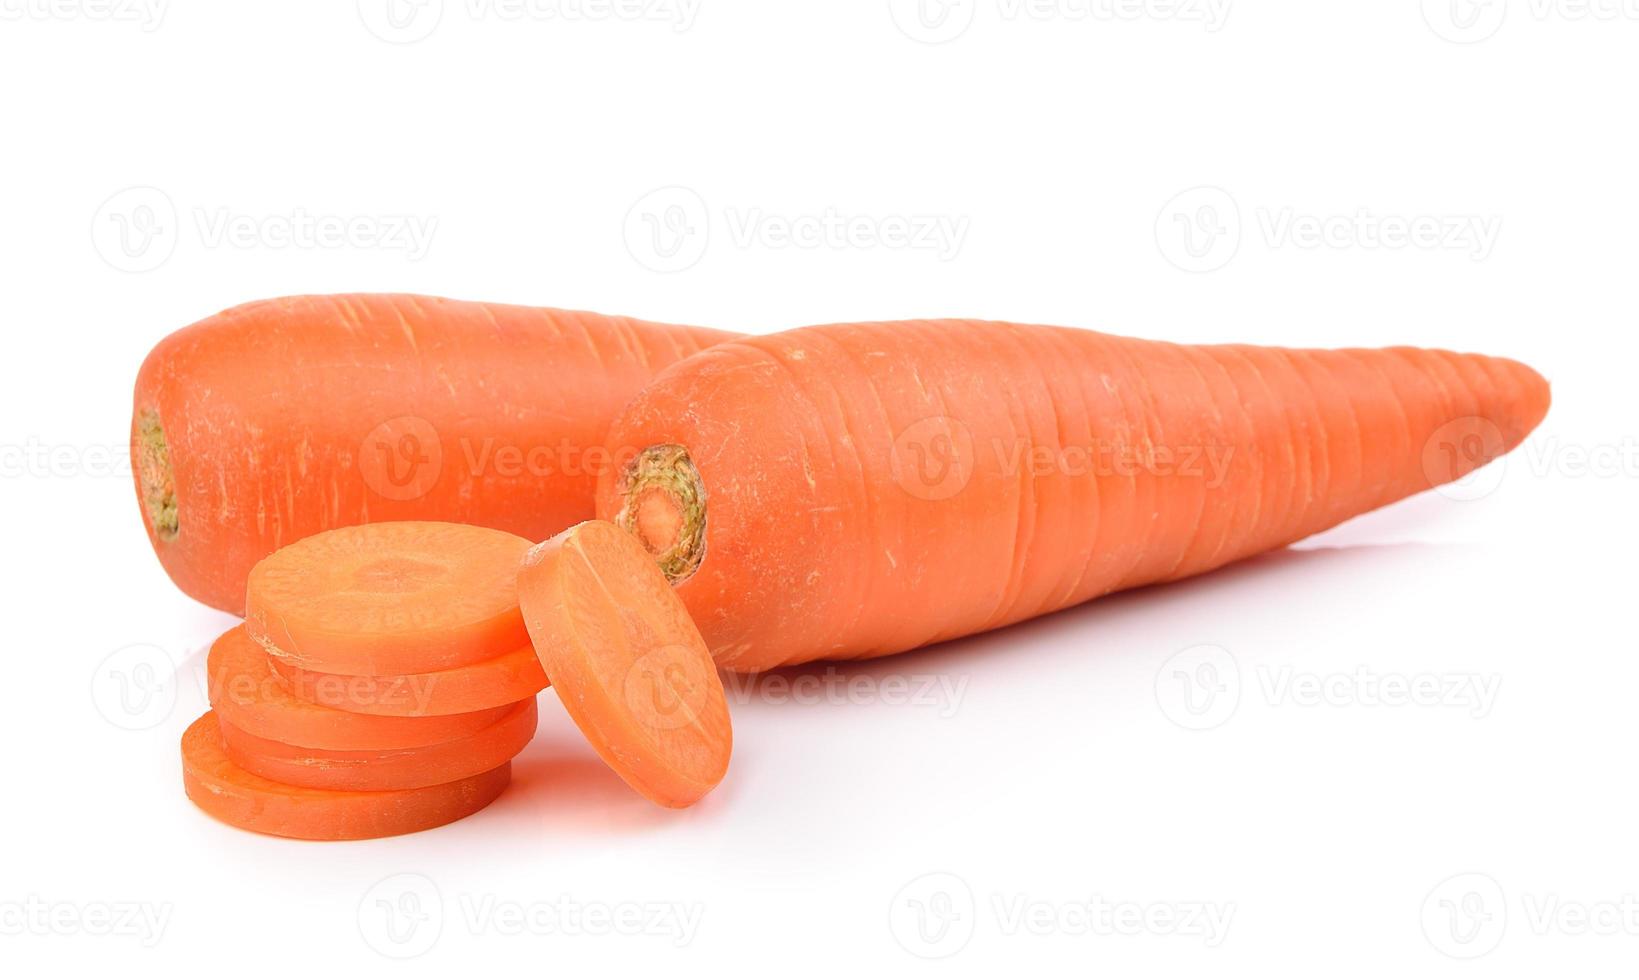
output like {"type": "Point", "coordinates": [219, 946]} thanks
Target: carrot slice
{"type": "Point", "coordinates": [341, 769]}
{"type": "Point", "coordinates": [395, 598]}
{"type": "Point", "coordinates": [627, 662]}
{"type": "Point", "coordinates": [496, 682]}
{"type": "Point", "coordinates": [247, 694]}
{"type": "Point", "coordinates": [245, 800]}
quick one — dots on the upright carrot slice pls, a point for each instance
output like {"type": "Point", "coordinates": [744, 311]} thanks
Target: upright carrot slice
{"type": "Point", "coordinates": [492, 683]}
{"type": "Point", "coordinates": [340, 769]}
{"type": "Point", "coordinates": [248, 801]}
{"type": "Point", "coordinates": [855, 490]}
{"type": "Point", "coordinates": [397, 598]}
{"type": "Point", "coordinates": [285, 417]}
{"type": "Point", "coordinates": [627, 662]}
{"type": "Point", "coordinates": [247, 694]}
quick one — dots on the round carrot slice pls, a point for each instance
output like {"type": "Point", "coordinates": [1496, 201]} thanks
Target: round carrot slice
{"type": "Point", "coordinates": [627, 662]}
{"type": "Point", "coordinates": [492, 683]}
{"type": "Point", "coordinates": [395, 598]}
{"type": "Point", "coordinates": [247, 694]}
{"type": "Point", "coordinates": [245, 800]}
{"type": "Point", "coordinates": [340, 769]}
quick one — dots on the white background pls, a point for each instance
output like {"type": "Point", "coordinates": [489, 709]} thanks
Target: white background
{"type": "Point", "coordinates": [1064, 151]}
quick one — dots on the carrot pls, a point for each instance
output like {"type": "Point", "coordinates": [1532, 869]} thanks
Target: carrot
{"type": "Point", "coordinates": [855, 490]}
{"type": "Point", "coordinates": [247, 694]}
{"type": "Point", "coordinates": [371, 770]}
{"type": "Point", "coordinates": [278, 419]}
{"type": "Point", "coordinates": [250, 802]}
{"type": "Point", "coordinates": [627, 662]}
{"type": "Point", "coordinates": [404, 597]}
{"type": "Point", "coordinates": [489, 683]}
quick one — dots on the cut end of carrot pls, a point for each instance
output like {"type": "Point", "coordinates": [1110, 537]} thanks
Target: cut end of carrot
{"type": "Point", "coordinates": [663, 505]}
{"type": "Point", "coordinates": [154, 471]}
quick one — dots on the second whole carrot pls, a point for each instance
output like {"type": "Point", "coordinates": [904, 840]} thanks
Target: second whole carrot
{"type": "Point", "coordinates": [275, 420]}
{"type": "Point", "coordinates": [855, 490]}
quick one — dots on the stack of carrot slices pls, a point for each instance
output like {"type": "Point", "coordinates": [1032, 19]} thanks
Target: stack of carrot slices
{"type": "Point", "coordinates": [385, 677]}
{"type": "Point", "coordinates": [381, 684]}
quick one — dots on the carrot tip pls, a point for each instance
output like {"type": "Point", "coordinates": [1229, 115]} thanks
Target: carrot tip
{"type": "Point", "coordinates": [663, 505]}
{"type": "Point", "coordinates": [154, 471]}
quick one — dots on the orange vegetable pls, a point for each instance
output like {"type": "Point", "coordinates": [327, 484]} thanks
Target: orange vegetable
{"type": "Point", "coordinates": [237, 797]}
{"type": "Point", "coordinates": [278, 419]}
{"type": "Point", "coordinates": [627, 662]}
{"type": "Point", "coordinates": [489, 683]}
{"type": "Point", "coordinates": [400, 598]}
{"type": "Point", "coordinates": [856, 490]}
{"type": "Point", "coordinates": [363, 770]}
{"type": "Point", "coordinates": [247, 694]}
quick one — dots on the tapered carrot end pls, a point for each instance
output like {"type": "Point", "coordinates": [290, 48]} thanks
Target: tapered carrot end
{"type": "Point", "coordinates": [1479, 408]}
{"type": "Point", "coordinates": [1524, 397]}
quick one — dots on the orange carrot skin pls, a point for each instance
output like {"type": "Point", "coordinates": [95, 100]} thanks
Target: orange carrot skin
{"type": "Point", "coordinates": [871, 488]}
{"type": "Point", "coordinates": [250, 802]}
{"type": "Point", "coordinates": [277, 419]}
{"type": "Point", "coordinates": [247, 693]}
{"type": "Point", "coordinates": [459, 690]}
{"type": "Point", "coordinates": [365, 770]}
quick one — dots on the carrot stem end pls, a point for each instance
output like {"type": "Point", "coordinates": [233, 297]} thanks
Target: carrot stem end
{"type": "Point", "coordinates": [157, 479]}
{"type": "Point", "coordinates": [663, 504]}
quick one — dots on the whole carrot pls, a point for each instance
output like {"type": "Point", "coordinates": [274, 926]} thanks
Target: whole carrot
{"type": "Point", "coordinates": [277, 419]}
{"type": "Point", "coordinates": [855, 490]}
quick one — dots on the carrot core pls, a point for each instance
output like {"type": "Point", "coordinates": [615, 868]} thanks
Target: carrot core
{"type": "Point", "coordinates": [663, 504]}
{"type": "Point", "coordinates": [154, 471]}
{"type": "Point", "coordinates": [397, 574]}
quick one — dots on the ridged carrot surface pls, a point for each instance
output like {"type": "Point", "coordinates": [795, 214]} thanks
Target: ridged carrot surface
{"type": "Point", "coordinates": [855, 490]}
{"type": "Point", "coordinates": [277, 419]}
